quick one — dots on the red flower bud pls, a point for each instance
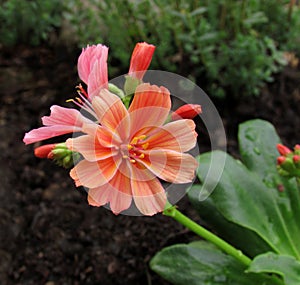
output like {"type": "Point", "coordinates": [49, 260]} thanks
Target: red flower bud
{"type": "Point", "coordinates": [44, 151]}
{"type": "Point", "coordinates": [187, 111]}
{"type": "Point", "coordinates": [296, 158]}
{"type": "Point", "coordinates": [283, 150]}
{"type": "Point", "coordinates": [140, 60]}
{"type": "Point", "coordinates": [281, 160]}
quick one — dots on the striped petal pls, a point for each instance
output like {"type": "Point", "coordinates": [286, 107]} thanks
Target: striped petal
{"type": "Point", "coordinates": [117, 192]}
{"type": "Point", "coordinates": [178, 136]}
{"type": "Point", "coordinates": [148, 194]}
{"type": "Point", "coordinates": [90, 148]}
{"type": "Point", "coordinates": [150, 107]}
{"type": "Point", "coordinates": [171, 166]}
{"type": "Point", "coordinates": [94, 174]}
{"type": "Point", "coordinates": [112, 113]}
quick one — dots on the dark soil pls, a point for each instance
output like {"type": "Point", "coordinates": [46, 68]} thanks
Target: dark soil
{"type": "Point", "coordinates": [48, 233]}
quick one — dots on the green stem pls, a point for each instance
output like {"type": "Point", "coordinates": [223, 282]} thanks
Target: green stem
{"type": "Point", "coordinates": [202, 232]}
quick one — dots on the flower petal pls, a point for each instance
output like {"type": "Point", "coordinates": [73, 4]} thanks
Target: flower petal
{"type": "Point", "coordinates": [117, 191]}
{"type": "Point", "coordinates": [171, 166]}
{"type": "Point", "coordinates": [147, 95]}
{"type": "Point", "coordinates": [88, 57]}
{"type": "Point", "coordinates": [178, 136]}
{"type": "Point", "coordinates": [112, 113]}
{"type": "Point", "coordinates": [44, 133]}
{"type": "Point", "coordinates": [64, 116]}
{"type": "Point", "coordinates": [94, 174]}
{"type": "Point", "coordinates": [148, 194]}
{"type": "Point", "coordinates": [98, 78]}
{"type": "Point", "coordinates": [90, 148]}
{"type": "Point", "coordinates": [61, 121]}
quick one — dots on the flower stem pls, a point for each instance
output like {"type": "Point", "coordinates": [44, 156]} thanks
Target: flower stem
{"type": "Point", "coordinates": [202, 232]}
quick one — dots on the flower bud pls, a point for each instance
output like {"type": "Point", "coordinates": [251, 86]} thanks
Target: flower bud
{"type": "Point", "coordinates": [44, 151]}
{"type": "Point", "coordinates": [140, 60]}
{"type": "Point", "coordinates": [187, 111]}
{"type": "Point", "coordinates": [296, 160]}
{"type": "Point", "coordinates": [297, 149]}
{"type": "Point", "coordinates": [281, 160]}
{"type": "Point", "coordinates": [283, 150]}
{"type": "Point", "coordinates": [59, 153]}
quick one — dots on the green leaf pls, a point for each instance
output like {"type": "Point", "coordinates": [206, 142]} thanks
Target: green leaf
{"type": "Point", "coordinates": [244, 239]}
{"type": "Point", "coordinates": [257, 142]}
{"type": "Point", "coordinates": [286, 266]}
{"type": "Point", "coordinates": [247, 200]}
{"type": "Point", "coordinates": [201, 263]}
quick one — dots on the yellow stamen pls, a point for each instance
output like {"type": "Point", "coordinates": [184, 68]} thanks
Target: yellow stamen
{"type": "Point", "coordinates": [145, 145]}
{"type": "Point", "coordinates": [129, 147]}
{"type": "Point", "coordinates": [69, 100]}
{"type": "Point", "coordinates": [141, 155]}
{"type": "Point", "coordinates": [142, 137]}
{"type": "Point", "coordinates": [132, 160]}
{"type": "Point", "coordinates": [125, 156]}
{"type": "Point", "coordinates": [134, 140]}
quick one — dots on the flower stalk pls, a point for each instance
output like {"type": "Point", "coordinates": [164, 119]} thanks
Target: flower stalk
{"type": "Point", "coordinates": [204, 233]}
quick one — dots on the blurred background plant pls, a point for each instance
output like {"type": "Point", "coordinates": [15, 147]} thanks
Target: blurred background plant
{"type": "Point", "coordinates": [29, 22]}
{"type": "Point", "coordinates": [230, 48]}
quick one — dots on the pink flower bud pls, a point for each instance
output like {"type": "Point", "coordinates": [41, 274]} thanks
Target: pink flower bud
{"type": "Point", "coordinates": [297, 147]}
{"type": "Point", "coordinates": [187, 111]}
{"type": "Point", "coordinates": [281, 160]}
{"type": "Point", "coordinates": [283, 150]}
{"type": "Point", "coordinates": [140, 60]}
{"type": "Point", "coordinates": [44, 151]}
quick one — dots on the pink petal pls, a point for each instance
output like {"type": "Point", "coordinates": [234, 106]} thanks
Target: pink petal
{"type": "Point", "coordinates": [61, 121]}
{"type": "Point", "coordinates": [112, 113]}
{"type": "Point", "coordinates": [90, 148]}
{"type": "Point", "coordinates": [117, 192]}
{"type": "Point", "coordinates": [98, 78]}
{"type": "Point", "coordinates": [148, 194]}
{"type": "Point", "coordinates": [64, 116]}
{"type": "Point", "coordinates": [94, 174]}
{"type": "Point", "coordinates": [88, 57]}
{"type": "Point", "coordinates": [171, 166]}
{"type": "Point", "coordinates": [44, 133]}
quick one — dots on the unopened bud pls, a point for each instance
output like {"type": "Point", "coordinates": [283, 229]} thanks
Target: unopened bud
{"type": "Point", "coordinates": [296, 160]}
{"type": "Point", "coordinates": [281, 160]}
{"type": "Point", "coordinates": [283, 150]}
{"type": "Point", "coordinates": [187, 111]}
{"type": "Point", "coordinates": [297, 149]}
{"type": "Point", "coordinates": [59, 153]}
{"type": "Point", "coordinates": [44, 151]}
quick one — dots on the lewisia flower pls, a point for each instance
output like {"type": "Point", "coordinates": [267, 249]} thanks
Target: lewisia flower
{"type": "Point", "coordinates": [126, 152]}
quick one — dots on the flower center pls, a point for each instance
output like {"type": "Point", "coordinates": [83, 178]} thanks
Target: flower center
{"type": "Point", "coordinates": [135, 149]}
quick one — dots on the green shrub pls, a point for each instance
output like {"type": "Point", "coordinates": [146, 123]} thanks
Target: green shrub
{"type": "Point", "coordinates": [28, 22]}
{"type": "Point", "coordinates": [229, 47]}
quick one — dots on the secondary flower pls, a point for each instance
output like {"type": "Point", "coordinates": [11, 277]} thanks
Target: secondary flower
{"type": "Point", "coordinates": [126, 152]}
{"type": "Point", "coordinates": [140, 60]}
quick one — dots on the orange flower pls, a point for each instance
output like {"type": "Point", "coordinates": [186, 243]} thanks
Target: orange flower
{"type": "Point", "coordinates": [124, 155]}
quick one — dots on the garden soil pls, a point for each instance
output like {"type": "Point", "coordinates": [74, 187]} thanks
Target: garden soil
{"type": "Point", "coordinates": [49, 235]}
